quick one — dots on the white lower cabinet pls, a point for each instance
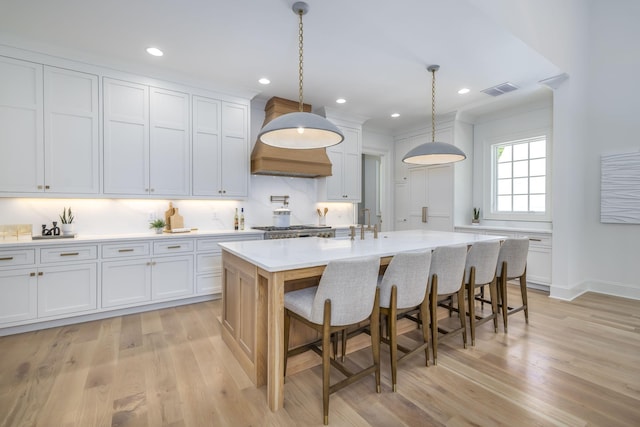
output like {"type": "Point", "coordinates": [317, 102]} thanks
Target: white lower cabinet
{"type": "Point", "coordinates": [67, 289]}
{"type": "Point", "coordinates": [19, 301]}
{"type": "Point", "coordinates": [171, 277]}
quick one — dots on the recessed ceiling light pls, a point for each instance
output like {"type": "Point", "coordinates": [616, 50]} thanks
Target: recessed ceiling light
{"type": "Point", "coordinates": [394, 115]}
{"type": "Point", "coordinates": [264, 81]}
{"type": "Point", "coordinates": [463, 91]}
{"type": "Point", "coordinates": [341, 100]}
{"type": "Point", "coordinates": [154, 51]}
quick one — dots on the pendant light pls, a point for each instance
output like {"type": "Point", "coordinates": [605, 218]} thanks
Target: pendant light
{"type": "Point", "coordinates": [300, 130]}
{"type": "Point", "coordinates": [434, 153]}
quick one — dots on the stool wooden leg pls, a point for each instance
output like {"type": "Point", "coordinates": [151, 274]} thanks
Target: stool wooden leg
{"type": "Point", "coordinates": [393, 335]}
{"type": "Point", "coordinates": [503, 295]}
{"type": "Point", "coordinates": [462, 316]}
{"type": "Point", "coordinates": [424, 314]}
{"type": "Point", "coordinates": [523, 291]}
{"type": "Point", "coordinates": [287, 326]}
{"type": "Point", "coordinates": [471, 288]}
{"type": "Point", "coordinates": [433, 308]}
{"type": "Point", "coordinates": [375, 338]}
{"type": "Point", "coordinates": [493, 291]}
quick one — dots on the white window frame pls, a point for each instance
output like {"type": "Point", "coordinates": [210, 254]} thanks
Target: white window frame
{"type": "Point", "coordinates": [489, 180]}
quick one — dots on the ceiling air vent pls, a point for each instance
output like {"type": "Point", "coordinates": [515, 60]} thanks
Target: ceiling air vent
{"type": "Point", "coordinates": [500, 89]}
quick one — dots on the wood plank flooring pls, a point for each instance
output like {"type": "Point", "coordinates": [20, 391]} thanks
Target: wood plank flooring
{"type": "Point", "coordinates": [575, 364]}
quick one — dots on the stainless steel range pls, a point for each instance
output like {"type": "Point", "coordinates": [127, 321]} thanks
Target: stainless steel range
{"type": "Point", "coordinates": [296, 231]}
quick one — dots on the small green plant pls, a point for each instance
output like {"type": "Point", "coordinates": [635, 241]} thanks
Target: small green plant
{"type": "Point", "coordinates": [476, 214]}
{"type": "Point", "coordinates": [157, 223]}
{"type": "Point", "coordinates": [66, 217]}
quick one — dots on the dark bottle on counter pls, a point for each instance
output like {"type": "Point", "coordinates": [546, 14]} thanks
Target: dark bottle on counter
{"type": "Point", "coordinates": [242, 219]}
{"type": "Point", "coordinates": [235, 220]}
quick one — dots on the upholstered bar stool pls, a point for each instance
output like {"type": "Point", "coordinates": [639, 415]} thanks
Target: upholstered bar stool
{"type": "Point", "coordinates": [479, 272]}
{"type": "Point", "coordinates": [512, 264]}
{"type": "Point", "coordinates": [447, 279]}
{"type": "Point", "coordinates": [403, 289]}
{"type": "Point", "coordinates": [346, 295]}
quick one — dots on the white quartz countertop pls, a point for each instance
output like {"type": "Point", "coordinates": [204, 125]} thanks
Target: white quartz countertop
{"type": "Point", "coordinates": [289, 254]}
{"type": "Point", "coordinates": [100, 238]}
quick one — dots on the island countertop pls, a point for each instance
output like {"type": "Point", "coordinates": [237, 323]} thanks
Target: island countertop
{"type": "Point", "coordinates": [288, 254]}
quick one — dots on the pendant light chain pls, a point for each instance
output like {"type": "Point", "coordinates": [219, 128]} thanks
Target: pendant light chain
{"type": "Point", "coordinates": [433, 105]}
{"type": "Point", "coordinates": [300, 50]}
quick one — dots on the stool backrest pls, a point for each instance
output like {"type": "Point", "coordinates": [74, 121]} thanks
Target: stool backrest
{"type": "Point", "coordinates": [448, 263]}
{"type": "Point", "coordinates": [484, 257]}
{"type": "Point", "coordinates": [351, 286]}
{"type": "Point", "coordinates": [514, 252]}
{"type": "Point", "coordinates": [409, 272]}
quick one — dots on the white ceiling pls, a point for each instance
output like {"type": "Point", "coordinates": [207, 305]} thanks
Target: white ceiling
{"type": "Point", "coordinates": [374, 53]}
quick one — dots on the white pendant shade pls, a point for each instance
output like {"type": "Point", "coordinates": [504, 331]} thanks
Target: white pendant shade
{"type": "Point", "coordinates": [434, 153]}
{"type": "Point", "coordinates": [300, 131]}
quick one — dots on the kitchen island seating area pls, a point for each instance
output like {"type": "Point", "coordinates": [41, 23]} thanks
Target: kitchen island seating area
{"type": "Point", "coordinates": [346, 295]}
{"type": "Point", "coordinates": [257, 275]}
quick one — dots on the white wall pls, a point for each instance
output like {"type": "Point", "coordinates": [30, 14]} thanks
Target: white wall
{"type": "Point", "coordinates": [512, 123]}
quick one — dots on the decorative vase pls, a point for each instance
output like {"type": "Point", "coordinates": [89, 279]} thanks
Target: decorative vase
{"type": "Point", "coordinates": [66, 229]}
{"type": "Point", "coordinates": [158, 230]}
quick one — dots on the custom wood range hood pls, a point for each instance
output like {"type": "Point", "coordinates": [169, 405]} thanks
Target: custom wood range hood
{"type": "Point", "coordinates": [268, 160]}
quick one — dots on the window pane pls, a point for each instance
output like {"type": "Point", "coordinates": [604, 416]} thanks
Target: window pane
{"type": "Point", "coordinates": [503, 153]}
{"type": "Point", "coordinates": [521, 186]}
{"type": "Point", "coordinates": [504, 170]}
{"type": "Point", "coordinates": [538, 203]}
{"type": "Point", "coordinates": [521, 169]}
{"type": "Point", "coordinates": [521, 151]}
{"type": "Point", "coordinates": [504, 186]}
{"type": "Point", "coordinates": [520, 203]}
{"type": "Point", "coordinates": [538, 167]}
{"type": "Point", "coordinates": [504, 203]}
{"type": "Point", "coordinates": [537, 185]}
{"type": "Point", "coordinates": [538, 149]}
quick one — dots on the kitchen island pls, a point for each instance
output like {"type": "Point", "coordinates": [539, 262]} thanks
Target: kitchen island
{"type": "Point", "coordinates": [256, 274]}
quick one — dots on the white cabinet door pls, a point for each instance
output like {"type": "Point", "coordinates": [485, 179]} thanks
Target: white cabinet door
{"type": "Point", "coordinates": [172, 277]}
{"type": "Point", "coordinates": [206, 147]}
{"type": "Point", "coordinates": [126, 282]}
{"type": "Point", "coordinates": [19, 295]}
{"type": "Point", "coordinates": [234, 155]}
{"type": "Point", "coordinates": [67, 289]}
{"type": "Point", "coordinates": [220, 148]}
{"type": "Point", "coordinates": [169, 143]}
{"type": "Point", "coordinates": [71, 132]}
{"type": "Point", "coordinates": [344, 185]}
{"type": "Point", "coordinates": [126, 137]}
{"type": "Point", "coordinates": [21, 127]}
{"type": "Point", "coordinates": [431, 198]}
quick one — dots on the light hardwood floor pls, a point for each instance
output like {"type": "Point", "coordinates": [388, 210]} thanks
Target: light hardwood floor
{"type": "Point", "coordinates": [576, 363]}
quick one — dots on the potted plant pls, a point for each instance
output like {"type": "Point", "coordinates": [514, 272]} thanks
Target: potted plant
{"type": "Point", "coordinates": [476, 216]}
{"type": "Point", "coordinates": [66, 221]}
{"type": "Point", "coordinates": [158, 225]}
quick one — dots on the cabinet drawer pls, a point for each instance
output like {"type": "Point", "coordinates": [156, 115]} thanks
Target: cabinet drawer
{"type": "Point", "coordinates": [172, 246]}
{"type": "Point", "coordinates": [209, 245]}
{"type": "Point", "coordinates": [121, 250]}
{"type": "Point", "coordinates": [68, 253]}
{"type": "Point", "coordinates": [17, 257]}
{"type": "Point", "coordinates": [538, 239]}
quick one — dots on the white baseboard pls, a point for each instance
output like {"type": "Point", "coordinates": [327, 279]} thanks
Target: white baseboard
{"type": "Point", "coordinates": [614, 289]}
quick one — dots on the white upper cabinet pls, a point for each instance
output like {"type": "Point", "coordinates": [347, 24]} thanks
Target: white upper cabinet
{"type": "Point", "coordinates": [71, 132]}
{"type": "Point", "coordinates": [346, 165]}
{"type": "Point", "coordinates": [220, 148]}
{"type": "Point", "coordinates": [146, 140]}
{"type": "Point", "coordinates": [21, 127]}
{"type": "Point", "coordinates": [48, 130]}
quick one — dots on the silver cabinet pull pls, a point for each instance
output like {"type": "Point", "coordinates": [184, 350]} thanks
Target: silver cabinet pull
{"type": "Point", "coordinates": [32, 274]}
{"type": "Point", "coordinates": [70, 254]}
{"type": "Point", "coordinates": [9, 258]}
{"type": "Point", "coordinates": [174, 247]}
{"type": "Point", "coordinates": [425, 214]}
{"type": "Point", "coordinates": [125, 250]}
{"type": "Point", "coordinates": [535, 240]}
{"type": "Point", "coordinates": [40, 273]}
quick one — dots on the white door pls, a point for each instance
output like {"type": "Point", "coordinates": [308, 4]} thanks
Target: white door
{"type": "Point", "coordinates": [126, 137]}
{"type": "Point", "coordinates": [19, 299]}
{"type": "Point", "coordinates": [67, 289]}
{"type": "Point", "coordinates": [172, 277]}
{"type": "Point", "coordinates": [431, 198]}
{"type": "Point", "coordinates": [71, 132]}
{"type": "Point", "coordinates": [169, 151]}
{"type": "Point", "coordinates": [21, 127]}
{"type": "Point", "coordinates": [126, 282]}
{"type": "Point", "coordinates": [234, 155]}
{"type": "Point", "coordinates": [206, 147]}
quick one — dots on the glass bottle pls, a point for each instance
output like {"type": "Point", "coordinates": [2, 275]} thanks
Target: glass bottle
{"type": "Point", "coordinates": [235, 220]}
{"type": "Point", "coordinates": [242, 219]}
